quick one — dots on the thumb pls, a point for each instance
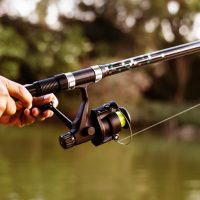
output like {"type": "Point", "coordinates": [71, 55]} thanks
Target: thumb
{"type": "Point", "coordinates": [20, 92]}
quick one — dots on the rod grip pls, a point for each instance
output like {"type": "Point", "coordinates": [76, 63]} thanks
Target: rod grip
{"type": "Point", "coordinates": [49, 85]}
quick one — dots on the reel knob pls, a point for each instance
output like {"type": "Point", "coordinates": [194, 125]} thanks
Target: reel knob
{"type": "Point", "coordinates": [67, 140]}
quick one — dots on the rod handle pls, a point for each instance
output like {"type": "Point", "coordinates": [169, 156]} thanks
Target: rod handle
{"type": "Point", "coordinates": [49, 85]}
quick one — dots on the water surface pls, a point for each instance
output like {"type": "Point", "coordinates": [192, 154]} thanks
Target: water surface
{"type": "Point", "coordinates": [34, 167]}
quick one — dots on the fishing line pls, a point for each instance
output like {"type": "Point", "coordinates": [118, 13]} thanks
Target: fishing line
{"type": "Point", "coordinates": [156, 124]}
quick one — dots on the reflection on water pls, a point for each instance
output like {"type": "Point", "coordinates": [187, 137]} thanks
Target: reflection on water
{"type": "Point", "coordinates": [34, 167]}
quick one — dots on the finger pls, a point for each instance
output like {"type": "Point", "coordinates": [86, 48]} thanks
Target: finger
{"type": "Point", "coordinates": [54, 100]}
{"type": "Point", "coordinates": [41, 115]}
{"type": "Point", "coordinates": [5, 120]}
{"type": "Point", "coordinates": [39, 101]}
{"type": "Point", "coordinates": [2, 106]}
{"type": "Point", "coordinates": [47, 114]}
{"type": "Point", "coordinates": [16, 119]}
{"type": "Point", "coordinates": [19, 105]}
{"type": "Point", "coordinates": [20, 92]}
{"type": "Point", "coordinates": [35, 112]}
{"type": "Point", "coordinates": [10, 107]}
{"type": "Point", "coordinates": [27, 118]}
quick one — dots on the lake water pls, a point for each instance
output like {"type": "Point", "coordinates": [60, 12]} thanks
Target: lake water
{"type": "Point", "coordinates": [34, 167]}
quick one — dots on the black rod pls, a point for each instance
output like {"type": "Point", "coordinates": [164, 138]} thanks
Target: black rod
{"type": "Point", "coordinates": [73, 80]}
{"type": "Point", "coordinates": [149, 58]}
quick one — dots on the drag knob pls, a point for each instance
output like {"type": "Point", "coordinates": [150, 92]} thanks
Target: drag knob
{"type": "Point", "coordinates": [67, 140]}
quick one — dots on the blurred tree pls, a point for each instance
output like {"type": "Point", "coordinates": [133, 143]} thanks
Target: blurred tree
{"type": "Point", "coordinates": [98, 30]}
{"type": "Point", "coordinates": [124, 28]}
{"type": "Point", "coordinates": [35, 50]}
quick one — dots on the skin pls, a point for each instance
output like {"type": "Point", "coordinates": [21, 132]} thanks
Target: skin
{"type": "Point", "coordinates": [25, 110]}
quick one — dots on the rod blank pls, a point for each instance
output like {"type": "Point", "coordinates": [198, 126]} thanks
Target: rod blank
{"type": "Point", "coordinates": [149, 58]}
{"type": "Point", "coordinates": [83, 77]}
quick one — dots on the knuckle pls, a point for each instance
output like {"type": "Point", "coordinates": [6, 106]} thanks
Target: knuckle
{"type": "Point", "coordinates": [53, 95]}
{"type": "Point", "coordinates": [4, 100]}
{"type": "Point", "coordinates": [2, 79]}
{"type": "Point", "coordinates": [21, 89]}
{"type": "Point", "coordinates": [3, 91]}
{"type": "Point", "coordinates": [12, 111]}
{"type": "Point", "coordinates": [2, 108]}
{"type": "Point", "coordinates": [24, 93]}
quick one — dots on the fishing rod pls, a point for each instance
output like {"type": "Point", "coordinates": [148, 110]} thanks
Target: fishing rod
{"type": "Point", "coordinates": [104, 123]}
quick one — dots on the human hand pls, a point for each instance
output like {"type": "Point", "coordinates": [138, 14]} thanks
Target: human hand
{"type": "Point", "coordinates": [19, 113]}
{"type": "Point", "coordinates": [9, 90]}
{"type": "Point", "coordinates": [28, 116]}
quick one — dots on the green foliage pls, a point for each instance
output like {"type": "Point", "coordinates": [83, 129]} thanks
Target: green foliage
{"type": "Point", "coordinates": [11, 43]}
{"type": "Point", "coordinates": [39, 52]}
{"type": "Point", "coordinates": [12, 48]}
{"type": "Point", "coordinates": [117, 29]}
{"type": "Point", "coordinates": [73, 47]}
{"type": "Point", "coordinates": [9, 69]}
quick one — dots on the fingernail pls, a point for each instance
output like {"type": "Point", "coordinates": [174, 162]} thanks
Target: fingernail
{"type": "Point", "coordinates": [52, 113]}
{"type": "Point", "coordinates": [42, 119]}
{"type": "Point", "coordinates": [46, 97]}
{"type": "Point", "coordinates": [21, 125]}
{"type": "Point", "coordinates": [26, 111]}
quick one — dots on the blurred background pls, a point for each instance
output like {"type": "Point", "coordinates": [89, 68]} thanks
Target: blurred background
{"type": "Point", "coordinates": [41, 38]}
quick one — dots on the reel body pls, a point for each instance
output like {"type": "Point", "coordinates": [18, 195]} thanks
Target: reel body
{"type": "Point", "coordinates": [102, 125]}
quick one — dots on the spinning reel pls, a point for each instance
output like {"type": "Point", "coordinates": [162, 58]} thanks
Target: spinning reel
{"type": "Point", "coordinates": [100, 126]}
